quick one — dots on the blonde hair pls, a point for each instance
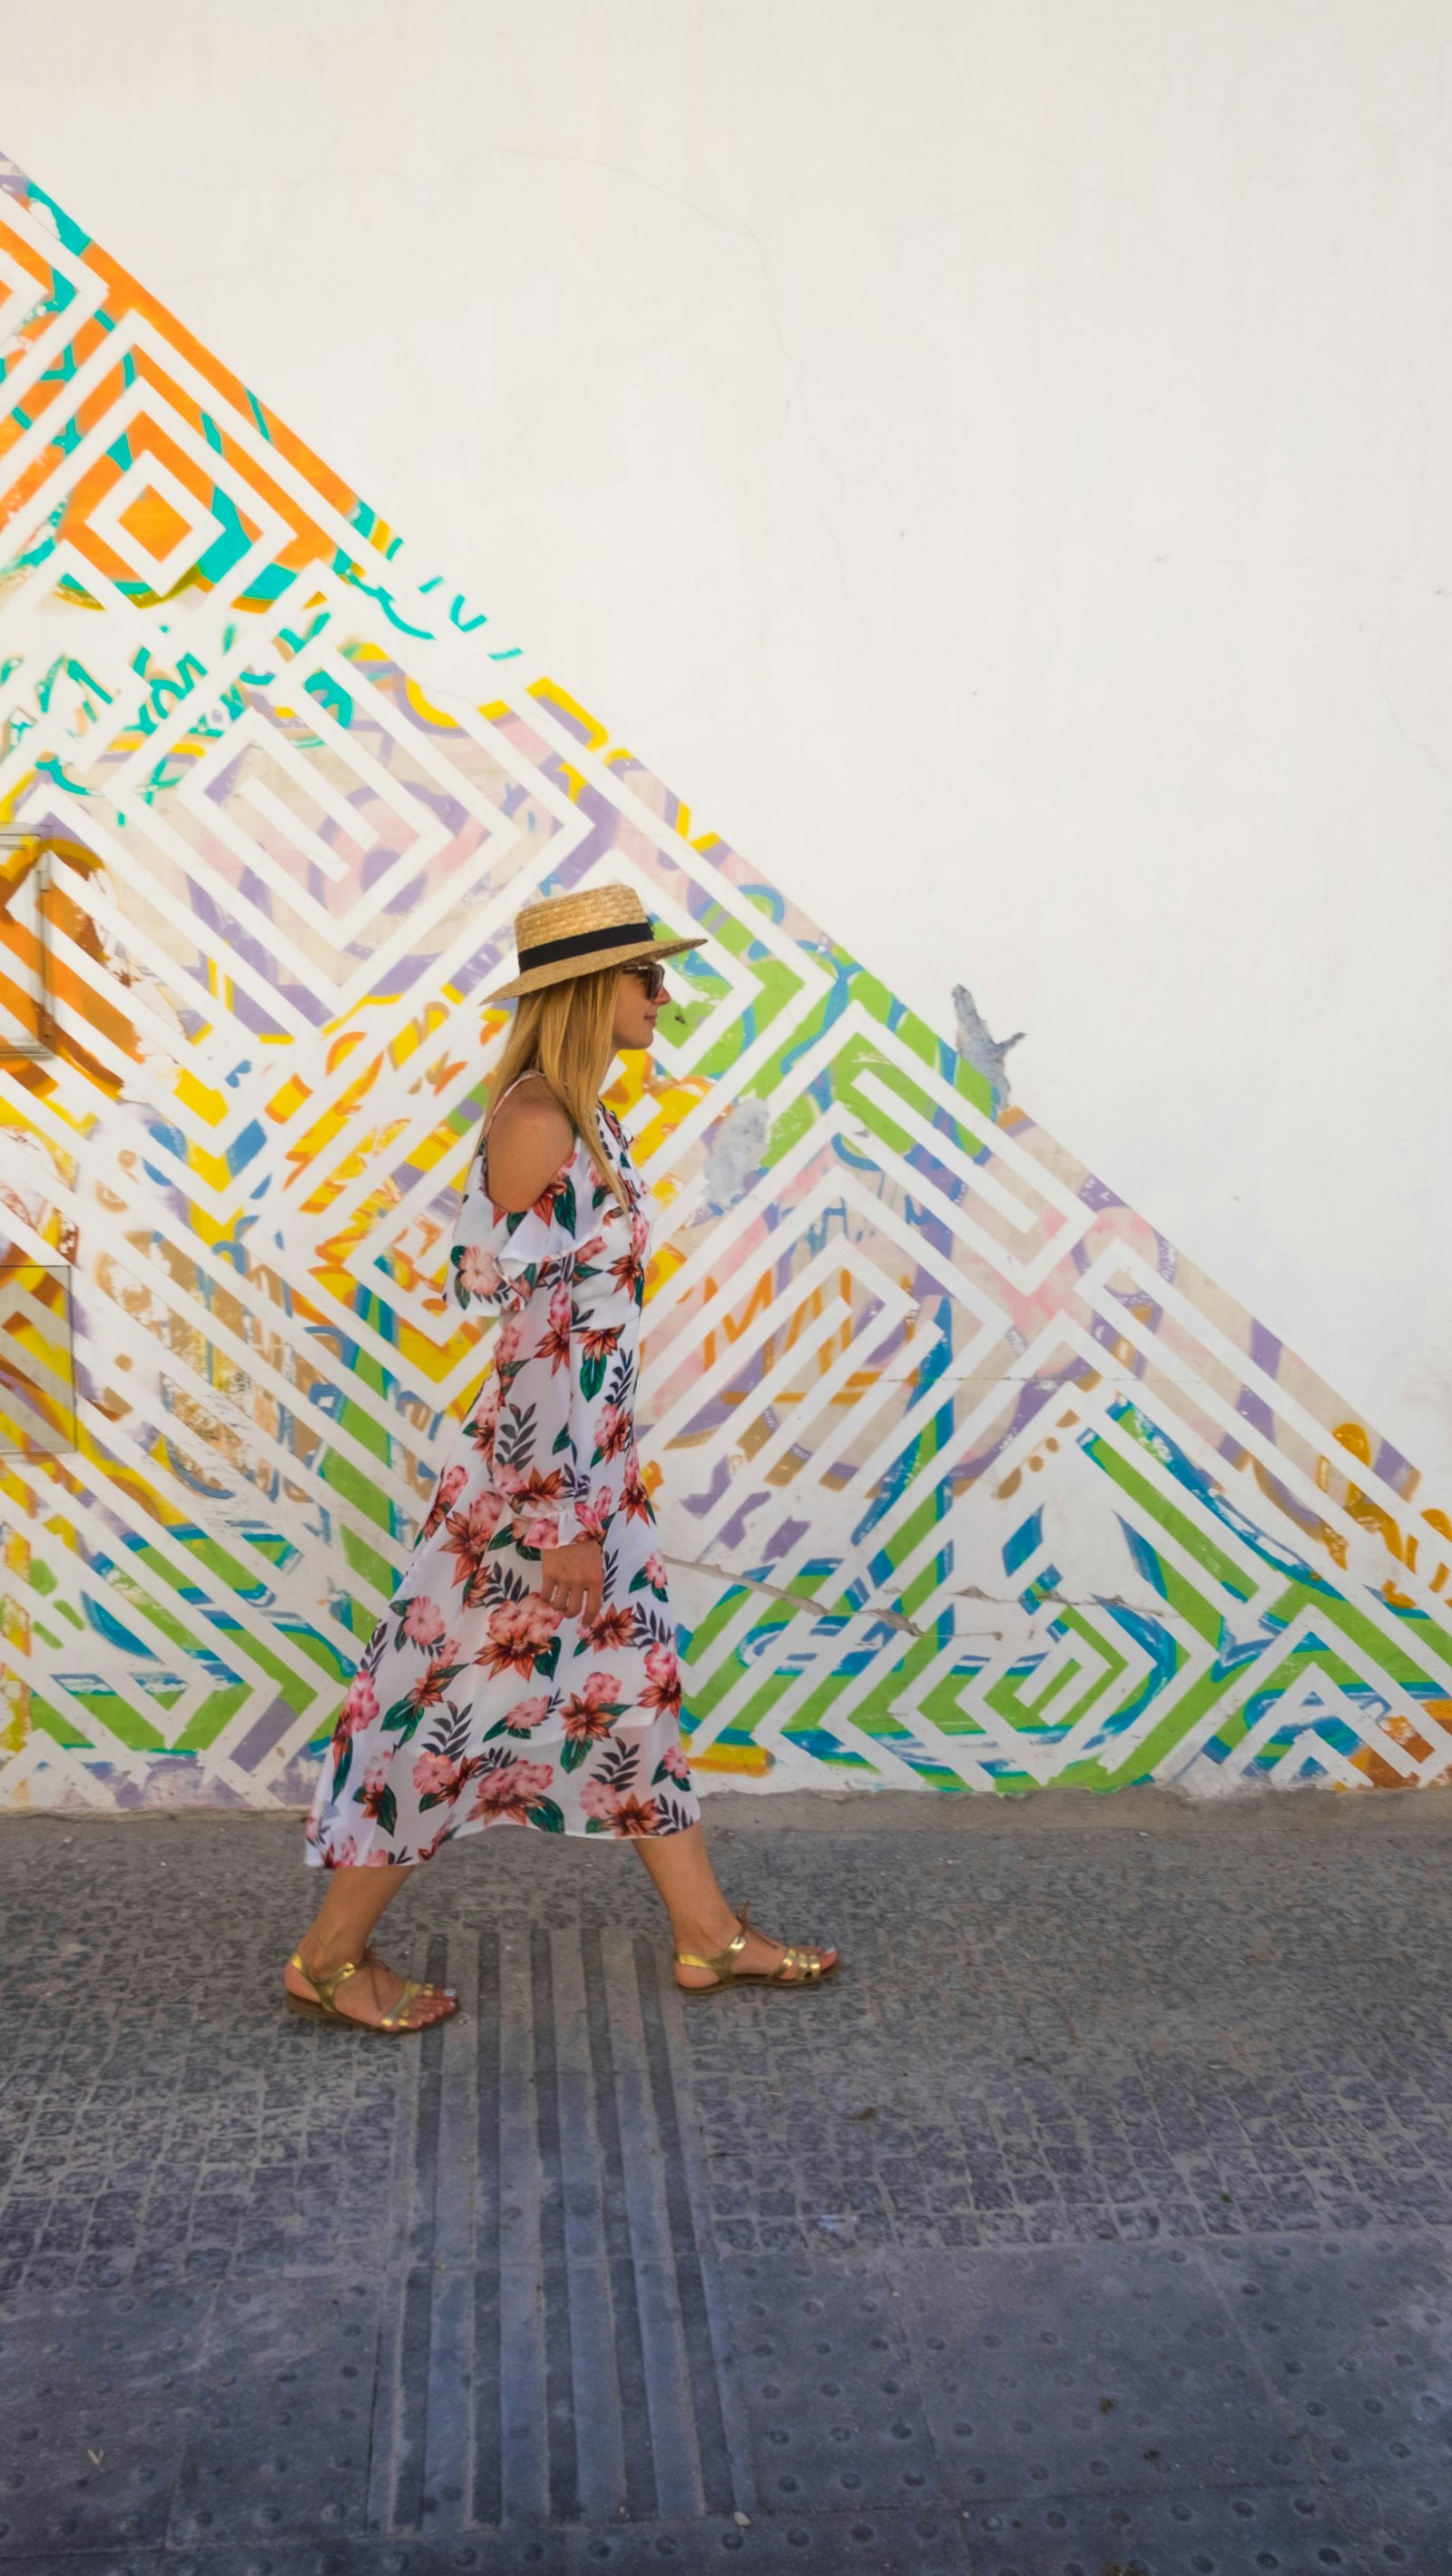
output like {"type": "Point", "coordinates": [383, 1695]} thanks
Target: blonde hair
{"type": "Point", "coordinates": [566, 1032]}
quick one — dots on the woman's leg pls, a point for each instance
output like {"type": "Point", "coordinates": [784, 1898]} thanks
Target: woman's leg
{"type": "Point", "coordinates": [701, 1919]}
{"type": "Point", "coordinates": [352, 1903]}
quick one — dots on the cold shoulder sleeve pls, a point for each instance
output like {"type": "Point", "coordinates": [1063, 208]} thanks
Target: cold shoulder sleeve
{"type": "Point", "coordinates": [526, 1428]}
{"type": "Point", "coordinates": [501, 1256]}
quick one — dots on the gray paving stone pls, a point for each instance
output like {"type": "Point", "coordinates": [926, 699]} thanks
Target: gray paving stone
{"type": "Point", "coordinates": [1356, 2337]}
{"type": "Point", "coordinates": [835, 2414]}
{"type": "Point", "coordinates": [285, 2374]}
{"type": "Point", "coordinates": [1103, 2370]}
{"type": "Point", "coordinates": [96, 2402]}
{"type": "Point", "coordinates": [583, 2279]}
{"type": "Point", "coordinates": [1293, 2531]}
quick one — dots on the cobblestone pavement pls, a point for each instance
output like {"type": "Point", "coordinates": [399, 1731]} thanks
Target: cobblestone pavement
{"type": "Point", "coordinates": [1096, 2222]}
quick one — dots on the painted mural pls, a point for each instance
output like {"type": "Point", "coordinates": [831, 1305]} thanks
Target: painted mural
{"type": "Point", "coordinates": [969, 1481]}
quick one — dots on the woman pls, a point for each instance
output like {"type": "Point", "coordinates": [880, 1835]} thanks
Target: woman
{"type": "Point", "coordinates": [526, 1672]}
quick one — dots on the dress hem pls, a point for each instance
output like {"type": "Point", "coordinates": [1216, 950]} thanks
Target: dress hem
{"type": "Point", "coordinates": [315, 1858]}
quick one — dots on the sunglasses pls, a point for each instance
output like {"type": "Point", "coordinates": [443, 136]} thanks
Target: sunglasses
{"type": "Point", "coordinates": [652, 977]}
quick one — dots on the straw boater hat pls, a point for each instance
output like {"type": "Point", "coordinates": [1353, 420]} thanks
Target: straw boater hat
{"type": "Point", "coordinates": [578, 934]}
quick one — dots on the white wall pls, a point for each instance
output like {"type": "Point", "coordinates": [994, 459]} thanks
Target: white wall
{"type": "Point", "coordinates": [994, 461]}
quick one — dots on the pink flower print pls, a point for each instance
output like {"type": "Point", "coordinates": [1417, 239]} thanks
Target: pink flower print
{"type": "Point", "coordinates": [478, 1271]}
{"type": "Point", "coordinates": [430, 1687]}
{"type": "Point", "coordinates": [639, 1234]}
{"type": "Point", "coordinates": [590, 1712]}
{"type": "Point", "coordinates": [598, 1801]}
{"type": "Point", "coordinates": [435, 1776]}
{"type": "Point", "coordinates": [655, 1571]}
{"type": "Point", "coordinates": [506, 1345]}
{"type": "Point", "coordinates": [626, 1814]}
{"type": "Point", "coordinates": [674, 1762]}
{"type": "Point", "coordinates": [662, 1690]}
{"type": "Point", "coordinates": [592, 1511]}
{"type": "Point", "coordinates": [628, 1275]}
{"type": "Point", "coordinates": [451, 1484]}
{"type": "Point", "coordinates": [518, 1631]}
{"type": "Point", "coordinates": [554, 1343]}
{"type": "Point", "coordinates": [359, 1709]}
{"type": "Point", "coordinates": [542, 1531]}
{"type": "Point", "coordinates": [528, 1492]}
{"type": "Point", "coordinates": [634, 1816]}
{"type": "Point", "coordinates": [423, 1622]}
{"type": "Point", "coordinates": [344, 1855]}
{"type": "Point", "coordinates": [508, 1790]}
{"type": "Point", "coordinates": [614, 1430]}
{"type": "Point", "coordinates": [527, 1714]}
{"type": "Point", "coordinates": [544, 1205]}
{"type": "Point", "coordinates": [612, 1631]}
{"type": "Point", "coordinates": [375, 1781]}
{"type": "Point", "coordinates": [634, 1495]}
{"type": "Point", "coordinates": [469, 1535]}
{"type": "Point", "coordinates": [584, 1722]}
{"type": "Point", "coordinates": [483, 1422]}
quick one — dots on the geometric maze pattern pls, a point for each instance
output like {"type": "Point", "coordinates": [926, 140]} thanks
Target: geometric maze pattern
{"type": "Point", "coordinates": [968, 1480]}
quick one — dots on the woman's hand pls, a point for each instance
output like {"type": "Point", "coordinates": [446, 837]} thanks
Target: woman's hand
{"type": "Point", "coordinates": [572, 1579]}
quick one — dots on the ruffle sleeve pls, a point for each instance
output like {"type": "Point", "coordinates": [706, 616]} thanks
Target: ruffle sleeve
{"type": "Point", "coordinates": [500, 1257]}
{"type": "Point", "coordinates": [533, 1425]}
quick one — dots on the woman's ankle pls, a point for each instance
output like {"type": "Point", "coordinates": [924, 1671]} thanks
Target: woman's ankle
{"type": "Point", "coordinates": [322, 1954]}
{"type": "Point", "coordinates": [710, 1939]}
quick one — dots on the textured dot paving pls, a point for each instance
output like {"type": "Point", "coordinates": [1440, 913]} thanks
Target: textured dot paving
{"type": "Point", "coordinates": [1095, 2223]}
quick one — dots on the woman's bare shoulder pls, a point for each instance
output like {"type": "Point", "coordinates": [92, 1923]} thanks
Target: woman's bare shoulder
{"type": "Point", "coordinates": [529, 1138]}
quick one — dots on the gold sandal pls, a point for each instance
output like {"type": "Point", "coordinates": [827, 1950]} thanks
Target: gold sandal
{"type": "Point", "coordinates": [325, 1987]}
{"type": "Point", "coordinates": [794, 1968]}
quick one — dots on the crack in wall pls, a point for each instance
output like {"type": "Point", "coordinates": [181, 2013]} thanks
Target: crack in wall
{"type": "Point", "coordinates": [1161, 1611]}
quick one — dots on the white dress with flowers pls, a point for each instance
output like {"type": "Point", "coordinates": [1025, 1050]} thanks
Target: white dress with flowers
{"type": "Point", "coordinates": [475, 1704]}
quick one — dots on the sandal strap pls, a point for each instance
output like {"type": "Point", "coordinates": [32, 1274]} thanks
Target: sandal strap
{"type": "Point", "coordinates": [395, 2020]}
{"type": "Point", "coordinates": [720, 1961]}
{"type": "Point", "coordinates": [325, 1987]}
{"type": "Point", "coordinates": [370, 1959]}
{"type": "Point", "coordinates": [795, 1966]}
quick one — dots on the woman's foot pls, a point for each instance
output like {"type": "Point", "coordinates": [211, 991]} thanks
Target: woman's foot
{"type": "Point", "coordinates": [372, 1993]}
{"type": "Point", "coordinates": [757, 1957]}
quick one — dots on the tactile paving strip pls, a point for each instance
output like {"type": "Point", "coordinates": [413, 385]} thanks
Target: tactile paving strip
{"type": "Point", "coordinates": [559, 2355]}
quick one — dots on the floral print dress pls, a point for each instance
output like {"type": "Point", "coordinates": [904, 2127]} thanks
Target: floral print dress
{"type": "Point", "coordinates": [476, 1704]}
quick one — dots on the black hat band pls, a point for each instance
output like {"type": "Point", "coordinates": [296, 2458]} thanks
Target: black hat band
{"type": "Point", "coordinates": [548, 952]}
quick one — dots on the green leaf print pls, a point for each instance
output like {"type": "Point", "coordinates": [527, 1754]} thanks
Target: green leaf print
{"type": "Point", "coordinates": [546, 1815]}
{"type": "Point", "coordinates": [403, 1720]}
{"type": "Point", "coordinates": [388, 1813]}
{"type": "Point", "coordinates": [576, 1751]}
{"type": "Point", "coordinates": [592, 1373]}
{"type": "Point", "coordinates": [547, 1658]}
{"type": "Point", "coordinates": [343, 1767]}
{"type": "Point", "coordinates": [565, 1205]}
